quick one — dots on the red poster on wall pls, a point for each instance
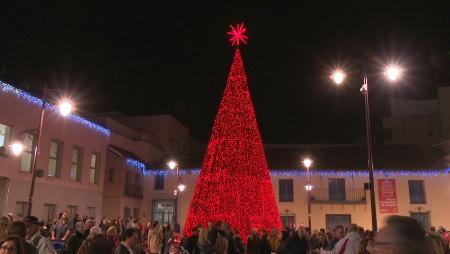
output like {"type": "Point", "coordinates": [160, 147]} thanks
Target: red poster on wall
{"type": "Point", "coordinates": [387, 196]}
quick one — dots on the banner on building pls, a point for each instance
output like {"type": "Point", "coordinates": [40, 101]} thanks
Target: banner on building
{"type": "Point", "coordinates": [387, 196]}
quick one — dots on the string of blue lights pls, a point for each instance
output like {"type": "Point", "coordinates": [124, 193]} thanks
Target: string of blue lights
{"type": "Point", "coordinates": [7, 88]}
{"type": "Point", "coordinates": [295, 172]}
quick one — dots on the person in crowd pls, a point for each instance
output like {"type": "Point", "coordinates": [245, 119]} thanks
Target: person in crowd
{"type": "Point", "coordinates": [253, 242]}
{"type": "Point", "coordinates": [274, 240]}
{"type": "Point", "coordinates": [121, 227]}
{"type": "Point", "coordinates": [41, 243]}
{"type": "Point", "coordinates": [400, 235]}
{"type": "Point", "coordinates": [368, 240]}
{"type": "Point", "coordinates": [105, 224]}
{"type": "Point", "coordinates": [212, 233]}
{"type": "Point", "coordinates": [350, 243]}
{"type": "Point", "coordinates": [264, 244]}
{"type": "Point", "coordinates": [84, 248]}
{"type": "Point", "coordinates": [446, 238]}
{"type": "Point", "coordinates": [44, 228]}
{"type": "Point", "coordinates": [11, 244]}
{"type": "Point", "coordinates": [19, 228]}
{"type": "Point", "coordinates": [338, 234]}
{"type": "Point", "coordinates": [167, 234]}
{"type": "Point", "coordinates": [130, 240]}
{"type": "Point", "coordinates": [175, 241]}
{"type": "Point", "coordinates": [155, 238]}
{"type": "Point", "coordinates": [4, 223]}
{"type": "Point", "coordinates": [301, 241]}
{"type": "Point", "coordinates": [76, 239]}
{"type": "Point", "coordinates": [190, 244]}
{"type": "Point", "coordinates": [87, 227]}
{"type": "Point", "coordinates": [221, 245]}
{"type": "Point", "coordinates": [436, 241]}
{"type": "Point", "coordinates": [99, 244]}
{"type": "Point", "coordinates": [235, 244]}
{"type": "Point", "coordinates": [204, 245]}
{"type": "Point", "coordinates": [113, 237]}
{"type": "Point", "coordinates": [285, 246]}
{"type": "Point", "coordinates": [63, 228]}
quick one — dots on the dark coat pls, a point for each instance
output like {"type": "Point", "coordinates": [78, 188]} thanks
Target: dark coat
{"type": "Point", "coordinates": [121, 249]}
{"type": "Point", "coordinates": [253, 245]}
{"type": "Point", "coordinates": [100, 245]}
{"type": "Point", "coordinates": [75, 242]}
{"type": "Point", "coordinates": [264, 246]}
{"type": "Point", "coordinates": [191, 244]}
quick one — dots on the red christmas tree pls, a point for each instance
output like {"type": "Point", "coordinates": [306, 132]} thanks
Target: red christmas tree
{"type": "Point", "coordinates": [234, 185]}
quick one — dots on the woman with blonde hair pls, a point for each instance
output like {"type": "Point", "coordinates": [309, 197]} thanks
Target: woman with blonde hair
{"type": "Point", "coordinates": [155, 238]}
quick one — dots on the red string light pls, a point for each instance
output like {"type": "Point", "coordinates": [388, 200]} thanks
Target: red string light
{"type": "Point", "coordinates": [234, 185]}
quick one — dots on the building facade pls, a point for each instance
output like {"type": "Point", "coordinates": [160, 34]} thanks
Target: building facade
{"type": "Point", "coordinates": [70, 162]}
{"type": "Point", "coordinates": [409, 181]}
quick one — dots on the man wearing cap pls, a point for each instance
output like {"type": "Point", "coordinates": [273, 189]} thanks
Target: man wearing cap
{"type": "Point", "coordinates": [34, 237]}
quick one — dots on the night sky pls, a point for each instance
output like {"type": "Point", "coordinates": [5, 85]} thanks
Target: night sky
{"type": "Point", "coordinates": [164, 57]}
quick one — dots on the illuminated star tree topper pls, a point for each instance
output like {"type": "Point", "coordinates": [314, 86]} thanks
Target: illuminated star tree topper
{"type": "Point", "coordinates": [237, 34]}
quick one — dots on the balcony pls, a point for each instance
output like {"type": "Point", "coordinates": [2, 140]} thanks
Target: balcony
{"type": "Point", "coordinates": [351, 196]}
{"type": "Point", "coordinates": [135, 191]}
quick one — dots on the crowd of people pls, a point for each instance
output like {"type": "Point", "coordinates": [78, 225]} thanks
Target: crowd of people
{"type": "Point", "coordinates": [77, 235]}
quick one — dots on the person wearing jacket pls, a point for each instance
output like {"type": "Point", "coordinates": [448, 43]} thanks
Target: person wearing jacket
{"type": "Point", "coordinates": [347, 245]}
{"type": "Point", "coordinates": [76, 239]}
{"type": "Point", "coordinates": [155, 238]}
{"type": "Point", "coordinates": [274, 240]}
{"type": "Point", "coordinates": [131, 239]}
{"type": "Point", "coordinates": [41, 243]}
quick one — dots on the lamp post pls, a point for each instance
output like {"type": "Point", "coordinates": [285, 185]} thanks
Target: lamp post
{"type": "Point", "coordinates": [180, 187]}
{"type": "Point", "coordinates": [65, 108]}
{"type": "Point", "coordinates": [392, 72]}
{"type": "Point", "coordinates": [308, 186]}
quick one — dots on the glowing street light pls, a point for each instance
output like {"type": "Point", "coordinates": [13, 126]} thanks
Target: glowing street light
{"type": "Point", "coordinates": [307, 162]}
{"type": "Point", "coordinates": [338, 76]}
{"type": "Point", "coordinates": [172, 164]}
{"type": "Point", "coordinates": [17, 148]}
{"type": "Point", "coordinates": [65, 108]}
{"type": "Point", "coordinates": [181, 187]}
{"type": "Point", "coordinates": [392, 72]}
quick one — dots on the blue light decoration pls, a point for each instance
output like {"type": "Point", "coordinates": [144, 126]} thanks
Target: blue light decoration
{"type": "Point", "coordinates": [297, 172]}
{"type": "Point", "coordinates": [7, 88]}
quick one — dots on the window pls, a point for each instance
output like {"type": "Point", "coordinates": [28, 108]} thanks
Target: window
{"type": "Point", "coordinates": [73, 210]}
{"type": "Point", "coordinates": [287, 220]}
{"type": "Point", "coordinates": [21, 208]}
{"type": "Point", "coordinates": [27, 154]}
{"type": "Point", "coordinates": [93, 172]}
{"type": "Point", "coordinates": [5, 136]}
{"type": "Point", "coordinates": [416, 192]}
{"type": "Point", "coordinates": [336, 189]}
{"type": "Point", "coordinates": [126, 213]}
{"type": "Point", "coordinates": [136, 212]}
{"type": "Point", "coordinates": [54, 164]}
{"type": "Point", "coordinates": [286, 190]}
{"type": "Point", "coordinates": [333, 220]}
{"type": "Point", "coordinates": [75, 168]}
{"type": "Point", "coordinates": [423, 218]}
{"type": "Point", "coordinates": [159, 182]}
{"type": "Point", "coordinates": [49, 212]}
{"type": "Point", "coordinates": [163, 210]}
{"type": "Point", "coordinates": [90, 212]}
{"type": "Point", "coordinates": [111, 175]}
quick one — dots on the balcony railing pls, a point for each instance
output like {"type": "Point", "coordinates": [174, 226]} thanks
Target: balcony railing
{"type": "Point", "coordinates": [351, 196]}
{"type": "Point", "coordinates": [134, 191]}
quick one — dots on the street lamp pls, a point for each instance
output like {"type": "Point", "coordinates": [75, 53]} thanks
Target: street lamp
{"type": "Point", "coordinates": [65, 108]}
{"type": "Point", "coordinates": [308, 186]}
{"type": "Point", "coordinates": [17, 148]}
{"type": "Point", "coordinates": [392, 72]}
{"type": "Point", "coordinates": [180, 187]}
